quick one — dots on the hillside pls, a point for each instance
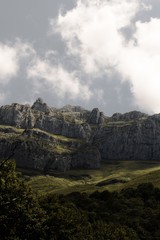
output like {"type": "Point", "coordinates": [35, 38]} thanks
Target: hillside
{"type": "Point", "coordinates": [82, 173]}
{"type": "Point", "coordinates": [110, 176]}
{"type": "Point", "coordinates": [127, 214]}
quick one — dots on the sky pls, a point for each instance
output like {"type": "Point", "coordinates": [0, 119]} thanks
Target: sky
{"type": "Point", "coordinates": [92, 53]}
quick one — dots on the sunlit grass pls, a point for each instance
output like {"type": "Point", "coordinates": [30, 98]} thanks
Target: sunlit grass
{"type": "Point", "coordinates": [60, 149]}
{"type": "Point", "coordinates": [131, 172]}
{"type": "Point", "coordinates": [43, 184]}
{"type": "Point", "coordinates": [12, 132]}
{"type": "Point", "coordinates": [59, 137]}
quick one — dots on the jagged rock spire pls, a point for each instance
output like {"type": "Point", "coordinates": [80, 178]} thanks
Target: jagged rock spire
{"type": "Point", "coordinates": [40, 105]}
{"type": "Point", "coordinates": [96, 117]}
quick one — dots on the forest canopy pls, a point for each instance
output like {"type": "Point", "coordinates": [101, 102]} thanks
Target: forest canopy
{"type": "Point", "coordinates": [132, 213]}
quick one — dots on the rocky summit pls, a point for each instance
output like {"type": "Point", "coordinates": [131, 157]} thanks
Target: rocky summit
{"type": "Point", "coordinates": [46, 138]}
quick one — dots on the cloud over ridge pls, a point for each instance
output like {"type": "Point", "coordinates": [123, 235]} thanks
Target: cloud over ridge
{"type": "Point", "coordinates": [103, 53]}
{"type": "Point", "coordinates": [61, 81]}
{"type": "Point", "coordinates": [95, 32]}
{"type": "Point", "coordinates": [40, 72]}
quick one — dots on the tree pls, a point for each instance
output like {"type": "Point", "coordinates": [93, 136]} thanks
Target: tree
{"type": "Point", "coordinates": [20, 214]}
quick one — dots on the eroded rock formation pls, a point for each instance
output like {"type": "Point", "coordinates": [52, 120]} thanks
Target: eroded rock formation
{"type": "Point", "coordinates": [47, 138]}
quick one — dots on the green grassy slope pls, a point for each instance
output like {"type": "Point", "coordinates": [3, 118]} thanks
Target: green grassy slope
{"type": "Point", "coordinates": [111, 176]}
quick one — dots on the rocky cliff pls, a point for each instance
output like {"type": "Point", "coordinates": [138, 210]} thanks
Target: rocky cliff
{"type": "Point", "coordinates": [47, 138]}
{"type": "Point", "coordinates": [44, 138]}
{"type": "Point", "coordinates": [129, 138]}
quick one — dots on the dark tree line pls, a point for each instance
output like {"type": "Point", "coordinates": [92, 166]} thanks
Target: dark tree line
{"type": "Point", "coordinates": [131, 214]}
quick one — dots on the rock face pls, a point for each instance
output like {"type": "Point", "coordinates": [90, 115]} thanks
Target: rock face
{"type": "Point", "coordinates": [38, 150]}
{"type": "Point", "coordinates": [42, 117]}
{"type": "Point", "coordinates": [44, 138]}
{"type": "Point", "coordinates": [57, 126]}
{"type": "Point", "coordinates": [134, 115]}
{"type": "Point", "coordinates": [139, 140]}
{"type": "Point", "coordinates": [39, 105]}
{"type": "Point", "coordinates": [96, 117]}
{"type": "Point", "coordinates": [35, 146]}
{"type": "Point", "coordinates": [28, 154]}
{"type": "Point", "coordinates": [69, 108]}
{"type": "Point", "coordinates": [17, 115]}
{"type": "Point", "coordinates": [87, 157]}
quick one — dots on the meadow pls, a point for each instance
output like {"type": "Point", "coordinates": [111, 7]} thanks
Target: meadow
{"type": "Point", "coordinates": [112, 176]}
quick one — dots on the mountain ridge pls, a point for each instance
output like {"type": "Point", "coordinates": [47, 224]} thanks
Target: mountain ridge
{"type": "Point", "coordinates": [73, 137]}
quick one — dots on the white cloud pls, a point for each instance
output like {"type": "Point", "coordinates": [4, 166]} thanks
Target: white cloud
{"type": "Point", "coordinates": [8, 63]}
{"type": "Point", "coordinates": [61, 81]}
{"type": "Point", "coordinates": [93, 31]}
{"type": "Point", "coordinates": [10, 57]}
{"type": "Point", "coordinates": [147, 36]}
{"type": "Point", "coordinates": [140, 64]}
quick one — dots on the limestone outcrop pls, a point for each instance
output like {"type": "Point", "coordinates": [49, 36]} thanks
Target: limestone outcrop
{"type": "Point", "coordinates": [47, 138]}
{"type": "Point", "coordinates": [42, 117]}
{"type": "Point", "coordinates": [130, 116]}
{"type": "Point", "coordinates": [138, 140]}
{"type": "Point", "coordinates": [39, 150]}
{"type": "Point", "coordinates": [41, 106]}
{"type": "Point", "coordinates": [17, 115]}
{"type": "Point", "coordinates": [96, 117]}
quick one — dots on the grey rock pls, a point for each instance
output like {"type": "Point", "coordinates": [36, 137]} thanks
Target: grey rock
{"type": "Point", "coordinates": [128, 136]}
{"type": "Point", "coordinates": [40, 116]}
{"type": "Point", "coordinates": [86, 157]}
{"type": "Point", "coordinates": [41, 106]}
{"type": "Point", "coordinates": [17, 115]}
{"type": "Point", "coordinates": [28, 154]}
{"type": "Point", "coordinates": [60, 127]}
{"type": "Point", "coordinates": [116, 117]}
{"type": "Point", "coordinates": [139, 140]}
{"type": "Point", "coordinates": [134, 115]}
{"type": "Point", "coordinates": [94, 116]}
{"type": "Point", "coordinates": [101, 118]}
{"type": "Point", "coordinates": [70, 108]}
